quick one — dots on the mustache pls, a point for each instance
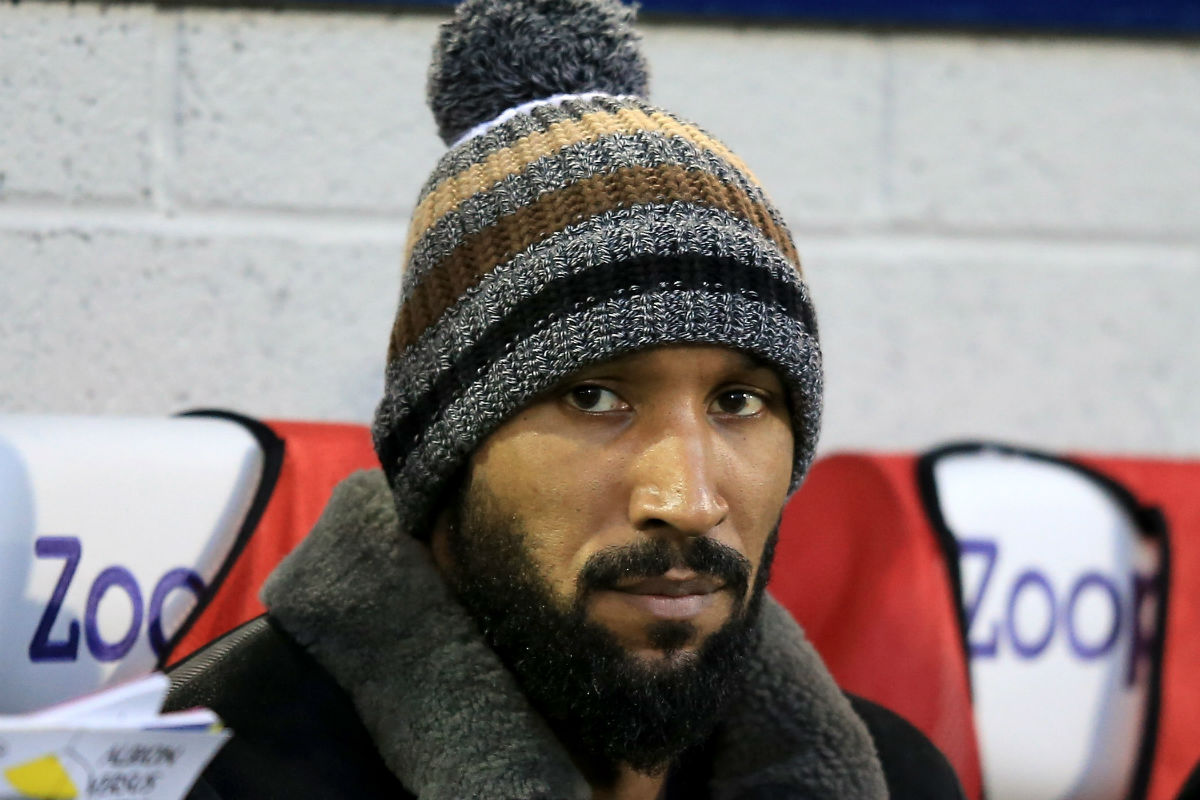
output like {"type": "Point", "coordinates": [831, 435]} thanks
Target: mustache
{"type": "Point", "coordinates": [652, 557]}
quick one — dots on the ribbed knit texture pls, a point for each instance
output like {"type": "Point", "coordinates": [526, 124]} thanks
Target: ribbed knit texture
{"type": "Point", "coordinates": [568, 234]}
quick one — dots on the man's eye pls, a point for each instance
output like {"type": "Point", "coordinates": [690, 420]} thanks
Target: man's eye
{"type": "Point", "coordinates": [738, 402]}
{"type": "Point", "coordinates": [597, 399]}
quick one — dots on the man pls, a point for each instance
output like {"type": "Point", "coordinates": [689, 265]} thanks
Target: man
{"type": "Point", "coordinates": [603, 383]}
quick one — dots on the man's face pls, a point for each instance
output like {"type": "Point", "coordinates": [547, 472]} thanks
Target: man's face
{"type": "Point", "coordinates": [613, 533]}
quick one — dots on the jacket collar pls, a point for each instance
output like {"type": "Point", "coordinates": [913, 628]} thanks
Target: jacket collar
{"type": "Point", "coordinates": [366, 600]}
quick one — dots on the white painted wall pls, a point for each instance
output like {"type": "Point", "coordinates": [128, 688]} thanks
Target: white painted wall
{"type": "Point", "coordinates": [207, 208]}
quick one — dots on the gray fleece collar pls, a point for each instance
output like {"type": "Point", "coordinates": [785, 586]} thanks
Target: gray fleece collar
{"type": "Point", "coordinates": [366, 600]}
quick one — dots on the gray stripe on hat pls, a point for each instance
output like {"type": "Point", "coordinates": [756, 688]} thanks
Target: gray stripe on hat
{"type": "Point", "coordinates": [618, 235]}
{"type": "Point", "coordinates": [478, 149]}
{"type": "Point", "coordinates": [566, 344]}
{"type": "Point", "coordinates": [558, 171]}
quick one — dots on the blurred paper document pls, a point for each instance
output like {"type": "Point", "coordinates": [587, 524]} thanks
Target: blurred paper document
{"type": "Point", "coordinates": [113, 744]}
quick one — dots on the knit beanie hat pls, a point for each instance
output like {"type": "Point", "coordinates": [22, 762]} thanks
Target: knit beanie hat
{"type": "Point", "coordinates": [570, 222]}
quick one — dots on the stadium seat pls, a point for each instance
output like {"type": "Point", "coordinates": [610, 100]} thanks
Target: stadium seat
{"type": "Point", "coordinates": [1035, 616]}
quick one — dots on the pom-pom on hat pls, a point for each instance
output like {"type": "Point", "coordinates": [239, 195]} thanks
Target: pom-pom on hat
{"type": "Point", "coordinates": [497, 56]}
{"type": "Point", "coordinates": [570, 222]}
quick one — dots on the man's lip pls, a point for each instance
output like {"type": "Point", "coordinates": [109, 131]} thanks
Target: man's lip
{"type": "Point", "coordinates": [672, 587]}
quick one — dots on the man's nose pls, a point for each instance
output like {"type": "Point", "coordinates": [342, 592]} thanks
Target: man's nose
{"type": "Point", "coordinates": [675, 482]}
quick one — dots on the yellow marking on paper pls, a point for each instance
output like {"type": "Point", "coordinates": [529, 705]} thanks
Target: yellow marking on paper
{"type": "Point", "coordinates": [42, 778]}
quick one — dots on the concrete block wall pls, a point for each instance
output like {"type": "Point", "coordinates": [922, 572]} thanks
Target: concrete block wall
{"type": "Point", "coordinates": [206, 207]}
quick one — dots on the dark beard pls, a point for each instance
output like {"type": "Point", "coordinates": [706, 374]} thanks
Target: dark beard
{"type": "Point", "coordinates": [602, 701]}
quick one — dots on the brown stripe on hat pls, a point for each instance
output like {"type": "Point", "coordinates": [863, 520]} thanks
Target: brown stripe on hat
{"type": "Point", "coordinates": [444, 283]}
{"type": "Point", "coordinates": [515, 158]}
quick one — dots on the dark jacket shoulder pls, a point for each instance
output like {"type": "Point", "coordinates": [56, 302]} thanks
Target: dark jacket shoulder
{"type": "Point", "coordinates": [912, 766]}
{"type": "Point", "coordinates": [296, 734]}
